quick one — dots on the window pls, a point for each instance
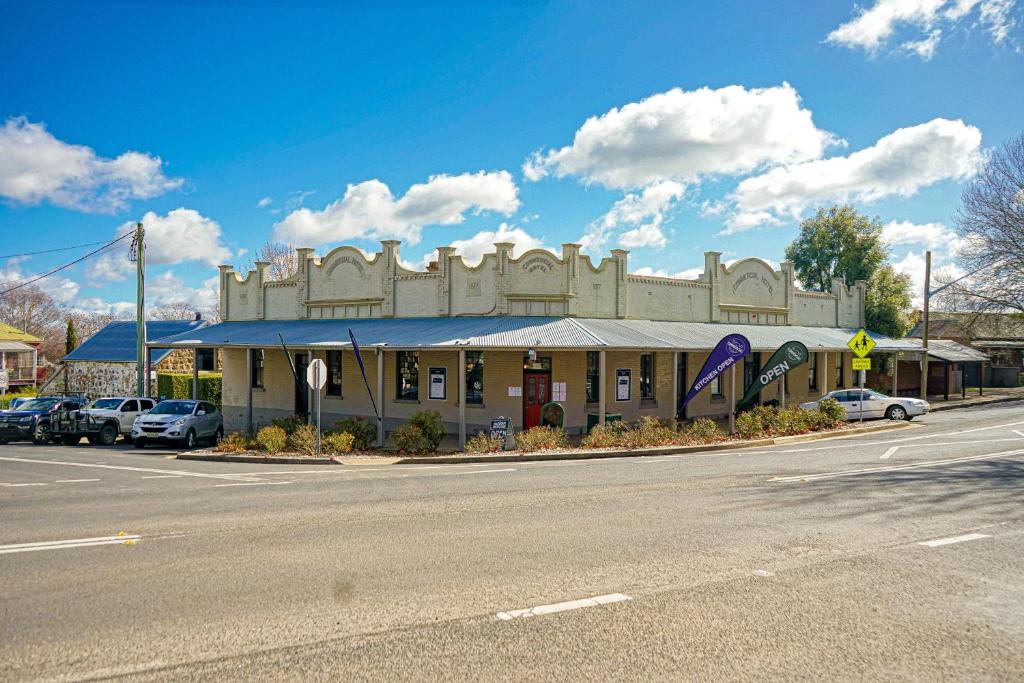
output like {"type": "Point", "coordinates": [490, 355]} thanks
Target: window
{"type": "Point", "coordinates": [257, 368]}
{"type": "Point", "coordinates": [812, 372]}
{"type": "Point", "coordinates": [130, 407]}
{"type": "Point", "coordinates": [334, 373]}
{"type": "Point", "coordinates": [474, 377]}
{"type": "Point", "coordinates": [646, 376]}
{"type": "Point", "coordinates": [407, 376]}
{"type": "Point", "coordinates": [593, 376]}
{"type": "Point", "coordinates": [716, 387]}
{"type": "Point", "coordinates": [840, 380]}
{"type": "Point", "coordinates": [206, 360]}
{"type": "Point", "coordinates": [146, 404]}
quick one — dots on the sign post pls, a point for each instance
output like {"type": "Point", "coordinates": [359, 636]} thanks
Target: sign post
{"type": "Point", "coordinates": [861, 345]}
{"type": "Point", "coordinates": [4, 382]}
{"type": "Point", "coordinates": [316, 378]}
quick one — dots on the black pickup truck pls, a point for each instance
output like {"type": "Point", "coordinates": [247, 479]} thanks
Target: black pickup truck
{"type": "Point", "coordinates": [31, 420]}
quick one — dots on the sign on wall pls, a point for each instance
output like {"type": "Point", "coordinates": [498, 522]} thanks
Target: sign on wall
{"type": "Point", "coordinates": [729, 350]}
{"type": "Point", "coordinates": [438, 384]}
{"type": "Point", "coordinates": [623, 380]}
{"type": "Point", "coordinates": [788, 356]}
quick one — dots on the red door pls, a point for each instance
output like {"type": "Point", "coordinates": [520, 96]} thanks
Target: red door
{"type": "Point", "coordinates": [537, 393]}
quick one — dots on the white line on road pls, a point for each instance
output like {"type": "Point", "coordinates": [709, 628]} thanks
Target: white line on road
{"type": "Point", "coordinates": [254, 483]}
{"type": "Point", "coordinates": [72, 543]}
{"type": "Point", "coordinates": [954, 539]}
{"type": "Point", "coordinates": [162, 476]}
{"type": "Point", "coordinates": [888, 453]}
{"type": "Point", "coordinates": [229, 477]}
{"type": "Point", "coordinates": [1018, 432]}
{"type": "Point", "coordinates": [894, 468]}
{"type": "Point", "coordinates": [32, 484]}
{"type": "Point", "coordinates": [72, 481]}
{"type": "Point", "coordinates": [563, 606]}
{"type": "Point", "coordinates": [454, 474]}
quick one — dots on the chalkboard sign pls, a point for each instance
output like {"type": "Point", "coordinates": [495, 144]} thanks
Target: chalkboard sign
{"type": "Point", "coordinates": [500, 427]}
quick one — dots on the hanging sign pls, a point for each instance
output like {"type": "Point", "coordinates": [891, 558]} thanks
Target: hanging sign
{"type": "Point", "coordinates": [726, 354]}
{"type": "Point", "coordinates": [623, 379]}
{"type": "Point", "coordinates": [438, 380]}
{"type": "Point", "coordinates": [786, 357]}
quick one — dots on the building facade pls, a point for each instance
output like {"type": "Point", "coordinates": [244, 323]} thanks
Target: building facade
{"type": "Point", "coordinates": [510, 334]}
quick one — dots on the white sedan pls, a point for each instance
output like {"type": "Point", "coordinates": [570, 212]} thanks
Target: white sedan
{"type": "Point", "coordinates": [873, 404]}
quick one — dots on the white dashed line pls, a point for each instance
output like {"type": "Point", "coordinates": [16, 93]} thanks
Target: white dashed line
{"type": "Point", "coordinates": [563, 606]}
{"type": "Point", "coordinates": [953, 539]}
{"type": "Point", "coordinates": [254, 483]}
{"type": "Point", "coordinates": [126, 539]}
{"type": "Point", "coordinates": [32, 484]}
{"type": "Point", "coordinates": [72, 481]}
{"type": "Point", "coordinates": [888, 453]}
{"type": "Point", "coordinates": [454, 474]}
{"type": "Point", "coordinates": [896, 468]}
{"type": "Point", "coordinates": [162, 476]}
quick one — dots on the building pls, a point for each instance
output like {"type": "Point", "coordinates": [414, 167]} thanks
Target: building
{"type": "Point", "coordinates": [19, 356]}
{"type": "Point", "coordinates": [106, 363]}
{"type": "Point", "coordinates": [505, 336]}
{"type": "Point", "coordinates": [1000, 336]}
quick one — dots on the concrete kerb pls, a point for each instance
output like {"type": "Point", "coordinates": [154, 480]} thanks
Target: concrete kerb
{"type": "Point", "coordinates": [589, 454]}
{"type": "Point", "coordinates": [970, 402]}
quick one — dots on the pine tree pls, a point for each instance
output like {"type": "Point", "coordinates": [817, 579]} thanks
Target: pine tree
{"type": "Point", "coordinates": [70, 337]}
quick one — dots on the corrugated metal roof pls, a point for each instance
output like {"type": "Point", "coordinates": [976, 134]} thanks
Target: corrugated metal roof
{"type": "Point", "coordinates": [520, 332]}
{"type": "Point", "coordinates": [953, 352]}
{"type": "Point", "coordinates": [115, 343]}
{"type": "Point", "coordinates": [8, 333]}
{"type": "Point", "coordinates": [15, 347]}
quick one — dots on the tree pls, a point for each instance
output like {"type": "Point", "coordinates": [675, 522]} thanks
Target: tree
{"type": "Point", "coordinates": [182, 310]}
{"type": "Point", "coordinates": [991, 226]}
{"type": "Point", "coordinates": [282, 257]}
{"type": "Point", "coordinates": [32, 310]}
{"type": "Point", "coordinates": [887, 308]}
{"type": "Point", "coordinates": [70, 337]}
{"type": "Point", "coordinates": [836, 242]}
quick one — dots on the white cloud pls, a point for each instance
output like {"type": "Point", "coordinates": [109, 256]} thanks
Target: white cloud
{"type": "Point", "coordinates": [899, 164]}
{"type": "Point", "coordinates": [648, 235]}
{"type": "Point", "coordinates": [688, 274]}
{"type": "Point", "coordinates": [685, 135]}
{"type": "Point", "coordinates": [912, 264]}
{"type": "Point", "coordinates": [180, 236]}
{"type": "Point", "coordinates": [35, 166]}
{"type": "Point", "coordinates": [123, 310]}
{"type": "Point", "coordinates": [369, 210]}
{"type": "Point", "coordinates": [264, 203]}
{"type": "Point", "coordinates": [933, 236]}
{"type": "Point", "coordinates": [13, 274]}
{"type": "Point", "coordinates": [168, 288]}
{"type": "Point", "coordinates": [472, 250]}
{"type": "Point", "coordinates": [650, 205]}
{"type": "Point", "coordinates": [873, 26]}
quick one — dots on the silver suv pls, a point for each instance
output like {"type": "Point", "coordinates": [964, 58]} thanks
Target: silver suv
{"type": "Point", "coordinates": [180, 422]}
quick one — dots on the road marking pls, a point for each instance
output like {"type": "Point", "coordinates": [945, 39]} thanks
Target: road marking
{"type": "Point", "coordinates": [894, 468]}
{"type": "Point", "coordinates": [72, 481]}
{"type": "Point", "coordinates": [953, 539]}
{"type": "Point", "coordinates": [455, 474]}
{"type": "Point", "coordinates": [1018, 432]}
{"type": "Point", "coordinates": [888, 453]}
{"type": "Point", "coordinates": [33, 484]}
{"type": "Point", "coordinates": [254, 483]}
{"type": "Point", "coordinates": [563, 606]}
{"type": "Point", "coordinates": [162, 476]}
{"type": "Point", "coordinates": [229, 477]}
{"type": "Point", "coordinates": [126, 539]}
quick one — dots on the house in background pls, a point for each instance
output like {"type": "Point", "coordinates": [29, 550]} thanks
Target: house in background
{"type": "Point", "coordinates": [19, 356]}
{"type": "Point", "coordinates": [1000, 336]}
{"type": "Point", "coordinates": [106, 363]}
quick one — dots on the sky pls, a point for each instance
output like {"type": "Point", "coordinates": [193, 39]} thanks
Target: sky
{"type": "Point", "coordinates": [667, 129]}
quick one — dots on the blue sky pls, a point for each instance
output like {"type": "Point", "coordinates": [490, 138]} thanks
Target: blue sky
{"type": "Point", "coordinates": [711, 126]}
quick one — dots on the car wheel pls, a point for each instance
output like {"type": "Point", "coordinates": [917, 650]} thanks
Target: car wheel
{"type": "Point", "coordinates": [41, 436]}
{"type": "Point", "coordinates": [190, 439]}
{"type": "Point", "coordinates": [896, 413]}
{"type": "Point", "coordinates": [215, 439]}
{"type": "Point", "coordinates": [108, 435]}
{"type": "Point", "coordinates": [140, 443]}
{"type": "Point", "coordinates": [70, 440]}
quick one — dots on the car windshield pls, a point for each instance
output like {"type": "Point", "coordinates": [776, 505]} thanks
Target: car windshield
{"type": "Point", "coordinates": [39, 404]}
{"type": "Point", "coordinates": [173, 408]}
{"type": "Point", "coordinates": [106, 403]}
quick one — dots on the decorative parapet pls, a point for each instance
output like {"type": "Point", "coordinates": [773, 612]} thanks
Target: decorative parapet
{"type": "Point", "coordinates": [621, 257]}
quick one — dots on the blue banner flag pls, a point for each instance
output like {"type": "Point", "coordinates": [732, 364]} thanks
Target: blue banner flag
{"type": "Point", "coordinates": [362, 369]}
{"type": "Point", "coordinates": [726, 354]}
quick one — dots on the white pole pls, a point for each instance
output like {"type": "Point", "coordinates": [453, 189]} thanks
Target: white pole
{"type": "Point", "coordinates": [602, 400]}
{"type": "Point", "coordinates": [195, 373]}
{"type": "Point", "coordinates": [461, 393]}
{"type": "Point", "coordinates": [782, 392]}
{"type": "Point", "coordinates": [248, 396]}
{"type": "Point", "coordinates": [895, 374]}
{"type": "Point", "coordinates": [860, 381]}
{"type": "Point", "coordinates": [380, 396]}
{"type": "Point", "coordinates": [732, 399]}
{"type": "Point", "coordinates": [316, 372]}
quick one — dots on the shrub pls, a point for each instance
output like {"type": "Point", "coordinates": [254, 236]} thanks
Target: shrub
{"type": "Point", "coordinates": [364, 432]}
{"type": "Point", "coordinates": [795, 421]}
{"type": "Point", "coordinates": [649, 431]}
{"type": "Point", "coordinates": [431, 424]}
{"type": "Point", "coordinates": [289, 424]}
{"type": "Point", "coordinates": [235, 442]}
{"type": "Point", "coordinates": [337, 443]}
{"type": "Point", "coordinates": [410, 439]}
{"type": "Point", "coordinates": [768, 417]}
{"type": "Point", "coordinates": [832, 410]}
{"type": "Point", "coordinates": [303, 440]}
{"type": "Point", "coordinates": [542, 438]}
{"type": "Point", "coordinates": [484, 443]}
{"type": "Point", "coordinates": [601, 436]}
{"type": "Point", "coordinates": [179, 385]}
{"type": "Point", "coordinates": [271, 439]}
{"type": "Point", "coordinates": [703, 430]}
{"type": "Point", "coordinates": [748, 424]}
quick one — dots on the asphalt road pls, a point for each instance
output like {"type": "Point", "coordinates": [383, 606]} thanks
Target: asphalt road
{"type": "Point", "coordinates": [894, 555]}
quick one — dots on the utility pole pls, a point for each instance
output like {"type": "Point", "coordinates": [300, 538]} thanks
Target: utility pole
{"type": "Point", "coordinates": [138, 254]}
{"type": "Point", "coordinates": [924, 321]}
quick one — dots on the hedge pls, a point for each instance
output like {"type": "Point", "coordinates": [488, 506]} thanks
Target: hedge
{"type": "Point", "coordinates": [179, 385]}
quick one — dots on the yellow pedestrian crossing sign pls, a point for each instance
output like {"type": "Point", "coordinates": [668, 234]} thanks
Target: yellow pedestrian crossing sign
{"type": "Point", "coordinates": [861, 343]}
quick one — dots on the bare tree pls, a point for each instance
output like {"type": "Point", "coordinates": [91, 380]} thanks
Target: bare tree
{"type": "Point", "coordinates": [183, 310]}
{"type": "Point", "coordinates": [991, 223]}
{"type": "Point", "coordinates": [32, 310]}
{"type": "Point", "coordinates": [283, 260]}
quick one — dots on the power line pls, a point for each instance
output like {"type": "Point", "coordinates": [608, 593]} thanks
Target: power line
{"type": "Point", "coordinates": [66, 265]}
{"type": "Point", "coordinates": [51, 251]}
